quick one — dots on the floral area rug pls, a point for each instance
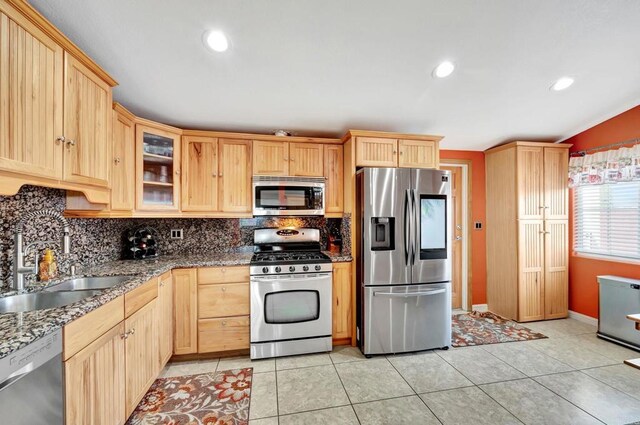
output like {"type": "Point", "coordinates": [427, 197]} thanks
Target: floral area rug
{"type": "Point", "coordinates": [220, 398]}
{"type": "Point", "coordinates": [478, 328]}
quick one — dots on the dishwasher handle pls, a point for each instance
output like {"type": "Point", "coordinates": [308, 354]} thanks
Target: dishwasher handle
{"type": "Point", "coordinates": [408, 294]}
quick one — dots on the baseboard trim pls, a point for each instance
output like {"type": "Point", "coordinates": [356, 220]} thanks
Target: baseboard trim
{"type": "Point", "coordinates": [583, 318]}
{"type": "Point", "coordinates": [479, 307]}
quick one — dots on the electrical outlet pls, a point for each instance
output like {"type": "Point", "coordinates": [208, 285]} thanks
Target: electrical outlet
{"type": "Point", "coordinates": [477, 225]}
{"type": "Point", "coordinates": [177, 234]}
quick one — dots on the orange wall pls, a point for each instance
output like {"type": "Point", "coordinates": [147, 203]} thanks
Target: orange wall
{"type": "Point", "coordinates": [583, 286]}
{"type": "Point", "coordinates": [478, 213]}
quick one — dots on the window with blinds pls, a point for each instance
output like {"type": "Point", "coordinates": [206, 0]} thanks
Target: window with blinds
{"type": "Point", "coordinates": [607, 220]}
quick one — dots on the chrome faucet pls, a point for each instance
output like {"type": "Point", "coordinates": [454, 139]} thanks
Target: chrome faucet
{"type": "Point", "coordinates": [20, 252]}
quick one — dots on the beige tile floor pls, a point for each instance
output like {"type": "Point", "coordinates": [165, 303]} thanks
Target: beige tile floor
{"type": "Point", "coordinates": [571, 378]}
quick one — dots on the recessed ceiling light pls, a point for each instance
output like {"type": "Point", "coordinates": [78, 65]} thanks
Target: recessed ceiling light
{"type": "Point", "coordinates": [216, 41]}
{"type": "Point", "coordinates": [562, 84]}
{"type": "Point", "coordinates": [444, 69]}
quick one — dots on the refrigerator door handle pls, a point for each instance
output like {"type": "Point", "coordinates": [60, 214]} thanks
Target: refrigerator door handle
{"type": "Point", "coordinates": [407, 227]}
{"type": "Point", "coordinates": [410, 294]}
{"type": "Point", "coordinates": [414, 226]}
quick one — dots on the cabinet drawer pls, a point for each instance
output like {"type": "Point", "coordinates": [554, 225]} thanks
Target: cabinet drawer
{"type": "Point", "coordinates": [139, 297]}
{"type": "Point", "coordinates": [223, 275]}
{"type": "Point", "coordinates": [229, 333]}
{"type": "Point", "coordinates": [82, 332]}
{"type": "Point", "coordinates": [222, 300]}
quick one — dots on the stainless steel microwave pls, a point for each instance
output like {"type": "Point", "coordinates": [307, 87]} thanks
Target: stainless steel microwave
{"type": "Point", "coordinates": [279, 195]}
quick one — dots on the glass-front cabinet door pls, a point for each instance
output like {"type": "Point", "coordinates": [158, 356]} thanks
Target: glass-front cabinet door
{"type": "Point", "coordinates": [157, 168]}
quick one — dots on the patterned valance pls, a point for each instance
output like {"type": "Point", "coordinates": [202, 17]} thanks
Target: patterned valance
{"type": "Point", "coordinates": [605, 167]}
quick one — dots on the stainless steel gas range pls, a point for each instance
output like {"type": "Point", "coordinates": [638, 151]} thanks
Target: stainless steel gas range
{"type": "Point", "coordinates": [290, 293]}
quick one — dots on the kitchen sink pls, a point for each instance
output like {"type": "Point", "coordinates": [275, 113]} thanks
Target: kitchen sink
{"type": "Point", "coordinates": [84, 283]}
{"type": "Point", "coordinates": [42, 300]}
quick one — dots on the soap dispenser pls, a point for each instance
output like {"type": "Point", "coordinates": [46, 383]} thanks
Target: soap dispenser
{"type": "Point", "coordinates": [48, 268]}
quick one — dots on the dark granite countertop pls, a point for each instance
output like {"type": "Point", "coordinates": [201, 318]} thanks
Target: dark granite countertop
{"type": "Point", "coordinates": [19, 329]}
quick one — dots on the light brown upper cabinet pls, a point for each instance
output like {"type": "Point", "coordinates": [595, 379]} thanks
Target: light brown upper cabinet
{"type": "Point", "coordinates": [199, 173]}
{"type": "Point", "coordinates": [376, 152]}
{"type": "Point", "coordinates": [87, 125]}
{"type": "Point", "coordinates": [274, 158]}
{"type": "Point", "coordinates": [157, 167]}
{"type": "Point", "coordinates": [31, 112]}
{"type": "Point", "coordinates": [418, 154]}
{"type": "Point", "coordinates": [270, 158]}
{"type": "Point", "coordinates": [235, 175]}
{"type": "Point", "coordinates": [334, 173]}
{"type": "Point", "coordinates": [376, 149]}
{"type": "Point", "coordinates": [123, 160]}
{"type": "Point", "coordinates": [306, 159]}
{"type": "Point", "coordinates": [527, 230]}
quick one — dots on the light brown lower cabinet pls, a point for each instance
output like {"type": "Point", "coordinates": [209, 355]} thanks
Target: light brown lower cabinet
{"type": "Point", "coordinates": [342, 300]}
{"type": "Point", "coordinates": [185, 304]}
{"type": "Point", "coordinates": [95, 381]}
{"type": "Point", "coordinates": [229, 333]}
{"type": "Point", "coordinates": [165, 318]}
{"type": "Point", "coordinates": [108, 372]}
{"type": "Point", "coordinates": [141, 354]}
{"type": "Point", "coordinates": [223, 309]}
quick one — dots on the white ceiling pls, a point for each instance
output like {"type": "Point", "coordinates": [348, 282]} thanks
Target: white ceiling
{"type": "Point", "coordinates": [321, 67]}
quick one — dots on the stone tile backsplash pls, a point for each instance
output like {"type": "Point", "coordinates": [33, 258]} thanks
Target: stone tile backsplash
{"type": "Point", "coordinates": [95, 241]}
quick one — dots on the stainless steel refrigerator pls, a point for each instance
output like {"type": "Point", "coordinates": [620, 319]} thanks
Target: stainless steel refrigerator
{"type": "Point", "coordinates": [403, 260]}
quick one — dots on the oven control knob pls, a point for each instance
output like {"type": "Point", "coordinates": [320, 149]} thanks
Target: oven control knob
{"type": "Point", "coordinates": [278, 269]}
{"type": "Point", "coordinates": [318, 267]}
{"type": "Point", "coordinates": [305, 268]}
{"type": "Point", "coordinates": [265, 270]}
{"type": "Point", "coordinates": [292, 269]}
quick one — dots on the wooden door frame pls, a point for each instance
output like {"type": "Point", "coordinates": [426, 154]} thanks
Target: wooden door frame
{"type": "Point", "coordinates": [467, 284]}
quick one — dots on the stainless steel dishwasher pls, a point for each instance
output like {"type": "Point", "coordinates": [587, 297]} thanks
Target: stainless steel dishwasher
{"type": "Point", "coordinates": [619, 297]}
{"type": "Point", "coordinates": [31, 383]}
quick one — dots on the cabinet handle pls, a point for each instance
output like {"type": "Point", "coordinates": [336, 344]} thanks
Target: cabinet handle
{"type": "Point", "coordinates": [132, 331]}
{"type": "Point", "coordinates": [544, 233]}
{"type": "Point", "coordinates": [161, 284]}
{"type": "Point", "coordinates": [117, 160]}
{"type": "Point", "coordinates": [70, 142]}
{"type": "Point", "coordinates": [60, 139]}
{"type": "Point", "coordinates": [544, 208]}
{"type": "Point", "coordinates": [124, 335]}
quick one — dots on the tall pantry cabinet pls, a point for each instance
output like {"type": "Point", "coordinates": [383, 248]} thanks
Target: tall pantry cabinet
{"type": "Point", "coordinates": [527, 230]}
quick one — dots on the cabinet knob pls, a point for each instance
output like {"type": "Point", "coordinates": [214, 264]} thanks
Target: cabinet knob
{"type": "Point", "coordinates": [178, 172]}
{"type": "Point", "coordinates": [70, 142]}
{"type": "Point", "coordinates": [124, 335]}
{"type": "Point", "coordinates": [224, 289]}
{"type": "Point", "coordinates": [224, 323]}
{"type": "Point", "coordinates": [220, 175]}
{"type": "Point", "coordinates": [291, 159]}
{"type": "Point", "coordinates": [117, 160]}
{"type": "Point", "coordinates": [60, 139]}
{"type": "Point", "coordinates": [132, 331]}
{"type": "Point", "coordinates": [395, 152]}
{"type": "Point", "coordinates": [223, 270]}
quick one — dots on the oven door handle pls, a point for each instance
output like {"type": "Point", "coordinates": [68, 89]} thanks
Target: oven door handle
{"type": "Point", "coordinates": [408, 295]}
{"type": "Point", "coordinates": [273, 278]}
